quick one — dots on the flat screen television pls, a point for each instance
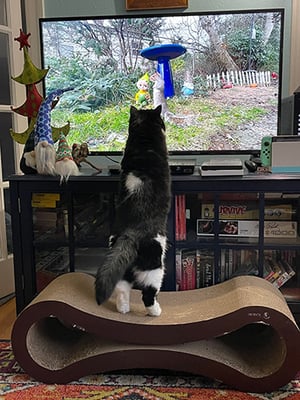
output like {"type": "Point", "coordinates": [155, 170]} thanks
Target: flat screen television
{"type": "Point", "coordinates": [226, 81]}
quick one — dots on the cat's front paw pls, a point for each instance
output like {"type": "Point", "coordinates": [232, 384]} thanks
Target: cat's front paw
{"type": "Point", "coordinates": [123, 308]}
{"type": "Point", "coordinates": [154, 310]}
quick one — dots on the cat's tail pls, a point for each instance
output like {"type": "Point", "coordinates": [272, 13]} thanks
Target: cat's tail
{"type": "Point", "coordinates": [120, 256]}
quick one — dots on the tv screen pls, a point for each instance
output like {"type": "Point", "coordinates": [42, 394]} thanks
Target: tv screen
{"type": "Point", "coordinates": [218, 75]}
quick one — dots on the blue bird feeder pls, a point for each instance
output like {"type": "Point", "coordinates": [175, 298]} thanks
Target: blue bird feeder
{"type": "Point", "coordinates": [163, 53]}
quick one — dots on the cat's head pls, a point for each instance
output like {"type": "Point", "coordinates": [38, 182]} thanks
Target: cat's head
{"type": "Point", "coordinates": [140, 117]}
{"type": "Point", "coordinates": [146, 129]}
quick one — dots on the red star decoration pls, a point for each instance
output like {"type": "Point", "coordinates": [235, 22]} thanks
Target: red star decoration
{"type": "Point", "coordinates": [23, 39]}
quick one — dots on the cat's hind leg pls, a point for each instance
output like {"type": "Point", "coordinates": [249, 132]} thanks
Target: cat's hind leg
{"type": "Point", "coordinates": [151, 272]}
{"type": "Point", "coordinates": [150, 301]}
{"type": "Point", "coordinates": [122, 292]}
{"type": "Point", "coordinates": [150, 282]}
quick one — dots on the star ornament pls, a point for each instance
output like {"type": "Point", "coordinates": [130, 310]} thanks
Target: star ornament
{"type": "Point", "coordinates": [23, 39]}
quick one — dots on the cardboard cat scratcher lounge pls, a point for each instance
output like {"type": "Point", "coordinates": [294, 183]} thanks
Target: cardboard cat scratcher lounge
{"type": "Point", "coordinates": [240, 332]}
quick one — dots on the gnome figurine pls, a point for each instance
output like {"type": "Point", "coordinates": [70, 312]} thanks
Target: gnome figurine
{"type": "Point", "coordinates": [65, 165]}
{"type": "Point", "coordinates": [45, 154]}
{"type": "Point", "coordinates": [27, 162]}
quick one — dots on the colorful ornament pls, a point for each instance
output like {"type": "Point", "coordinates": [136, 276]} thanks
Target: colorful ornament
{"type": "Point", "coordinates": [142, 97]}
{"type": "Point", "coordinates": [65, 166]}
{"type": "Point", "coordinates": [23, 39]}
{"type": "Point", "coordinates": [80, 153]}
{"type": "Point", "coordinates": [30, 74]}
{"type": "Point", "coordinates": [29, 77]}
{"type": "Point", "coordinates": [32, 104]}
{"type": "Point", "coordinates": [43, 142]}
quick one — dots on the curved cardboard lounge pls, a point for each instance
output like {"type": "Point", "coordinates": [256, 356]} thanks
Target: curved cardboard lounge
{"type": "Point", "coordinates": [240, 332]}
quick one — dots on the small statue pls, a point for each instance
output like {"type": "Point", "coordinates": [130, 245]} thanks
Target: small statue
{"type": "Point", "coordinates": [65, 165]}
{"type": "Point", "coordinates": [45, 153]}
{"type": "Point", "coordinates": [80, 153]}
{"type": "Point", "coordinates": [142, 97]}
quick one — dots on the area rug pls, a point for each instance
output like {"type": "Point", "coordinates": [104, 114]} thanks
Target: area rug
{"type": "Point", "coordinates": [15, 384]}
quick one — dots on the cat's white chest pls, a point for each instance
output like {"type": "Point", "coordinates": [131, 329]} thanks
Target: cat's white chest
{"type": "Point", "coordinates": [133, 183]}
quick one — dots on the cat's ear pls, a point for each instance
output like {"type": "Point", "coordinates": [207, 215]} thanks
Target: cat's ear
{"type": "Point", "coordinates": [158, 109]}
{"type": "Point", "coordinates": [133, 110]}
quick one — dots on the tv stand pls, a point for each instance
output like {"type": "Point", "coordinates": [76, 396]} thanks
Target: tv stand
{"type": "Point", "coordinates": [65, 228]}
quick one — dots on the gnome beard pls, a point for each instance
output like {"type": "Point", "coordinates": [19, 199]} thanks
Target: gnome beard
{"type": "Point", "coordinates": [45, 156]}
{"type": "Point", "coordinates": [65, 168]}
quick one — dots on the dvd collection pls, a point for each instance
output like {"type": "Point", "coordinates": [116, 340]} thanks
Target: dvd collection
{"type": "Point", "coordinates": [248, 210]}
{"type": "Point", "coordinates": [195, 267]}
{"type": "Point", "coordinates": [272, 229]}
{"type": "Point", "coordinates": [238, 219]}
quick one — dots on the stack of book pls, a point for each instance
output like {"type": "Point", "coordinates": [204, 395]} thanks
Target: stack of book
{"type": "Point", "coordinates": [195, 268]}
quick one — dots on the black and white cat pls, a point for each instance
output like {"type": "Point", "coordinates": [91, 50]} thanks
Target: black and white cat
{"type": "Point", "coordinates": [138, 245]}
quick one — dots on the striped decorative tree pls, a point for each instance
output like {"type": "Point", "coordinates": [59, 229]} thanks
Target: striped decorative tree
{"type": "Point", "coordinates": [30, 77]}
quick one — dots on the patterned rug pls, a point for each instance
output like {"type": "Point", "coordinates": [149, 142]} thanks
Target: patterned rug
{"type": "Point", "coordinates": [15, 384]}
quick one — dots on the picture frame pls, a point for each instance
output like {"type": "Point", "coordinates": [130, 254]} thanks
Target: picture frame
{"type": "Point", "coordinates": [155, 4]}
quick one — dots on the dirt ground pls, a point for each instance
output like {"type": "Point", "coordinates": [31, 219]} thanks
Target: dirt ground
{"type": "Point", "coordinates": [249, 135]}
{"type": "Point", "coordinates": [258, 96]}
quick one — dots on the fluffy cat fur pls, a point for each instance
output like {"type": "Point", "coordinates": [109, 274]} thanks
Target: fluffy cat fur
{"type": "Point", "coordinates": [138, 244]}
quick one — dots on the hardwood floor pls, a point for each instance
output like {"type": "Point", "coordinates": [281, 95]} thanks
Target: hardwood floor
{"type": "Point", "coordinates": [7, 318]}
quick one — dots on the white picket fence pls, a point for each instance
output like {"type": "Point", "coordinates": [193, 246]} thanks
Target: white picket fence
{"type": "Point", "coordinates": [239, 78]}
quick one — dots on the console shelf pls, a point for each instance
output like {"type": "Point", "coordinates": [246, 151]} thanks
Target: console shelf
{"type": "Point", "coordinates": [65, 228]}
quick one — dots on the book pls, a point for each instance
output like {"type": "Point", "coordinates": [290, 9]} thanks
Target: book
{"type": "Point", "coordinates": [277, 270]}
{"type": "Point", "coordinates": [248, 264]}
{"type": "Point", "coordinates": [207, 266]}
{"type": "Point", "coordinates": [222, 267]}
{"type": "Point", "coordinates": [287, 266]}
{"type": "Point", "coordinates": [242, 228]}
{"type": "Point", "coordinates": [45, 200]}
{"type": "Point", "coordinates": [177, 228]}
{"type": "Point", "coordinates": [267, 271]}
{"type": "Point", "coordinates": [194, 269]}
{"type": "Point", "coordinates": [178, 270]}
{"type": "Point", "coordinates": [248, 211]}
{"type": "Point", "coordinates": [279, 211]}
{"type": "Point", "coordinates": [180, 217]}
{"type": "Point", "coordinates": [199, 271]}
{"type": "Point", "coordinates": [286, 275]}
{"type": "Point", "coordinates": [280, 229]}
{"type": "Point", "coordinates": [188, 263]}
{"type": "Point", "coordinates": [229, 262]}
{"type": "Point", "coordinates": [231, 210]}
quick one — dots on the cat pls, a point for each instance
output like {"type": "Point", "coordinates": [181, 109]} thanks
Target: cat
{"type": "Point", "coordinates": [139, 242]}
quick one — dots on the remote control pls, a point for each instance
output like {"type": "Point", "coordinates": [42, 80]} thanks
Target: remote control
{"type": "Point", "coordinates": [266, 151]}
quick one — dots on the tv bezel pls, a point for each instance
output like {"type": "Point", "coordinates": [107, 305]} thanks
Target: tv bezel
{"type": "Point", "coordinates": [177, 13]}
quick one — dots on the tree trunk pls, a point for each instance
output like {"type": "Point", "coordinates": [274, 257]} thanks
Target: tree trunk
{"type": "Point", "coordinates": [218, 48]}
{"type": "Point", "coordinates": [268, 28]}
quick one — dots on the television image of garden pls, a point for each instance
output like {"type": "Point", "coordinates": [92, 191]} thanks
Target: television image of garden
{"type": "Point", "coordinates": [226, 83]}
